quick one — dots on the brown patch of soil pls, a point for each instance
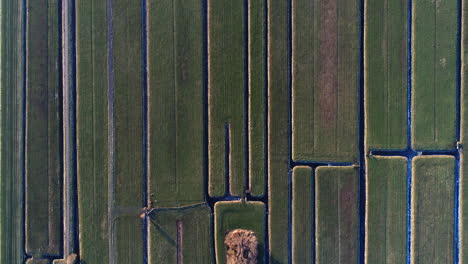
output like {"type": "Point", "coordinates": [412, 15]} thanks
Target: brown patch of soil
{"type": "Point", "coordinates": [241, 247]}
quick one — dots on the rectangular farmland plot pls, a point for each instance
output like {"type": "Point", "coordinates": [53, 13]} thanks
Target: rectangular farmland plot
{"type": "Point", "coordinates": [126, 182]}
{"type": "Point", "coordinates": [434, 74]}
{"type": "Point", "coordinates": [278, 118]}
{"type": "Point", "coordinates": [257, 99]}
{"type": "Point", "coordinates": [325, 39]}
{"type": "Point", "coordinates": [386, 209]}
{"type": "Point", "coordinates": [239, 215]}
{"type": "Point", "coordinates": [226, 96]}
{"type": "Point", "coordinates": [44, 161]}
{"type": "Point", "coordinates": [336, 214]}
{"type": "Point", "coordinates": [181, 235]}
{"type": "Point", "coordinates": [303, 215]}
{"type": "Point", "coordinates": [463, 138]}
{"type": "Point", "coordinates": [385, 66]}
{"type": "Point", "coordinates": [92, 129]}
{"type": "Point", "coordinates": [175, 118]}
{"type": "Point", "coordinates": [11, 132]}
{"type": "Point", "coordinates": [432, 209]}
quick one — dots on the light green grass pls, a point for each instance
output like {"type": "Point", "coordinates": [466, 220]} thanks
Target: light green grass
{"type": "Point", "coordinates": [385, 66]}
{"type": "Point", "coordinates": [336, 215]}
{"type": "Point", "coordinates": [434, 74]}
{"type": "Point", "coordinates": [278, 101]}
{"type": "Point", "coordinates": [325, 80]}
{"type": "Point", "coordinates": [432, 209]}
{"type": "Point", "coordinates": [194, 242]}
{"type": "Point", "coordinates": [256, 97]}
{"type": "Point", "coordinates": [11, 132]}
{"type": "Point", "coordinates": [175, 63]}
{"type": "Point", "coordinates": [127, 183]}
{"type": "Point", "coordinates": [226, 91]}
{"type": "Point", "coordinates": [302, 215]}
{"type": "Point", "coordinates": [43, 137]}
{"type": "Point", "coordinates": [239, 215]}
{"type": "Point", "coordinates": [92, 130]}
{"type": "Point", "coordinates": [386, 210]}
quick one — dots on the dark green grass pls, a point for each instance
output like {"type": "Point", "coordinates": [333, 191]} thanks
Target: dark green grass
{"type": "Point", "coordinates": [336, 215]}
{"type": "Point", "coordinates": [385, 66]}
{"type": "Point", "coordinates": [434, 74]}
{"type": "Point", "coordinates": [256, 97]}
{"type": "Point", "coordinates": [92, 128]}
{"type": "Point", "coordinates": [278, 101]}
{"type": "Point", "coordinates": [432, 208]}
{"type": "Point", "coordinates": [386, 210]}
{"type": "Point", "coordinates": [226, 98]}
{"type": "Point", "coordinates": [11, 132]}
{"type": "Point", "coordinates": [239, 215]}
{"type": "Point", "coordinates": [127, 182]}
{"type": "Point", "coordinates": [325, 80]}
{"type": "Point", "coordinates": [43, 131]}
{"type": "Point", "coordinates": [175, 63]}
{"type": "Point", "coordinates": [302, 215]}
{"type": "Point", "coordinates": [184, 231]}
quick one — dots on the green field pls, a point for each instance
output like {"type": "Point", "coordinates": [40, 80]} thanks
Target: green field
{"type": "Point", "coordinates": [325, 80]}
{"type": "Point", "coordinates": [386, 209]}
{"type": "Point", "coordinates": [432, 209]}
{"type": "Point", "coordinates": [181, 235]}
{"type": "Point", "coordinates": [239, 215]}
{"type": "Point", "coordinates": [336, 216]}
{"type": "Point", "coordinates": [303, 212]}
{"type": "Point", "coordinates": [385, 73]}
{"type": "Point", "coordinates": [192, 118]}
{"type": "Point", "coordinates": [434, 74]}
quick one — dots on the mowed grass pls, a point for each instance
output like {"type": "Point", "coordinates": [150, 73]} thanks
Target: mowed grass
{"type": "Point", "coordinates": [175, 99]}
{"type": "Point", "coordinates": [37, 261]}
{"type": "Point", "coordinates": [239, 215]}
{"type": "Point", "coordinates": [181, 235]}
{"type": "Point", "coordinates": [385, 71]}
{"type": "Point", "coordinates": [257, 99]}
{"type": "Point", "coordinates": [44, 153]}
{"type": "Point", "coordinates": [325, 71]}
{"type": "Point", "coordinates": [127, 180]}
{"type": "Point", "coordinates": [434, 74]}
{"type": "Point", "coordinates": [11, 132]}
{"type": "Point", "coordinates": [386, 210]}
{"type": "Point", "coordinates": [336, 215]}
{"type": "Point", "coordinates": [226, 96]}
{"type": "Point", "coordinates": [92, 129]}
{"type": "Point", "coordinates": [278, 147]}
{"type": "Point", "coordinates": [303, 215]}
{"type": "Point", "coordinates": [432, 209]}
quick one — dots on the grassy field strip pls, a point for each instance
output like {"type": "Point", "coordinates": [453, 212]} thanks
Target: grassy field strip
{"type": "Point", "coordinates": [463, 138]}
{"type": "Point", "coordinates": [239, 215]}
{"type": "Point", "coordinates": [92, 130]}
{"type": "Point", "coordinates": [434, 74]}
{"type": "Point", "coordinates": [175, 108]}
{"type": "Point", "coordinates": [37, 261]}
{"type": "Point", "coordinates": [181, 236]}
{"type": "Point", "coordinates": [336, 214]}
{"type": "Point", "coordinates": [44, 160]}
{"type": "Point", "coordinates": [11, 132]}
{"type": "Point", "coordinates": [257, 97]}
{"type": "Point", "coordinates": [385, 70]}
{"type": "Point", "coordinates": [278, 147]}
{"type": "Point", "coordinates": [127, 179]}
{"type": "Point", "coordinates": [432, 223]}
{"type": "Point", "coordinates": [303, 215]}
{"type": "Point", "coordinates": [386, 210]}
{"type": "Point", "coordinates": [325, 80]}
{"type": "Point", "coordinates": [226, 95]}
